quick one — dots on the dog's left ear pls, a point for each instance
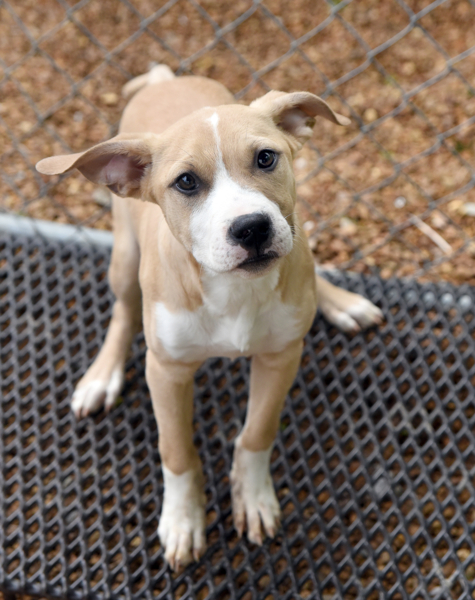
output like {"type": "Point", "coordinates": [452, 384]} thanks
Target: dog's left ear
{"type": "Point", "coordinates": [295, 113]}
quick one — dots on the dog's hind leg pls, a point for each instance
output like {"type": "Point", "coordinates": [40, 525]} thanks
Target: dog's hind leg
{"type": "Point", "coordinates": [348, 311]}
{"type": "Point", "coordinates": [103, 380]}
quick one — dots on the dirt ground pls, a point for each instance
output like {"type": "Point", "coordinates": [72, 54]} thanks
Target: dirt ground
{"type": "Point", "coordinates": [61, 91]}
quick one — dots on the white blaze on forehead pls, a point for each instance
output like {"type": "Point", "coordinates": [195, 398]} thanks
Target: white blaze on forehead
{"type": "Point", "coordinates": [214, 120]}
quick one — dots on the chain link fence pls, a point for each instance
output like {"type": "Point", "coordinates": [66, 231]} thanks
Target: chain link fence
{"type": "Point", "coordinates": [394, 192]}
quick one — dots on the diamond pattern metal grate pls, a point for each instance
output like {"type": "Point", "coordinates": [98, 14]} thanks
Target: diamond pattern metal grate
{"type": "Point", "coordinates": [374, 464]}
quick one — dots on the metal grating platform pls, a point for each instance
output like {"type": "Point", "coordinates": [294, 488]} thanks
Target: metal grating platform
{"type": "Point", "coordinates": [374, 464]}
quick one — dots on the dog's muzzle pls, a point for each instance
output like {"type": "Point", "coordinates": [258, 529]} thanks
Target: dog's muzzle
{"type": "Point", "coordinates": [253, 232]}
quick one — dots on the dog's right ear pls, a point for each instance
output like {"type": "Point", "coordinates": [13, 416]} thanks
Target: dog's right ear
{"type": "Point", "coordinates": [121, 163]}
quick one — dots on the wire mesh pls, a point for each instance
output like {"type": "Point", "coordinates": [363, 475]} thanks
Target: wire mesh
{"type": "Point", "coordinates": [374, 464]}
{"type": "Point", "coordinates": [395, 191]}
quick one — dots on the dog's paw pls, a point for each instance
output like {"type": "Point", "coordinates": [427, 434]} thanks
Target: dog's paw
{"type": "Point", "coordinates": [253, 495]}
{"type": "Point", "coordinates": [351, 312]}
{"type": "Point", "coordinates": [182, 523]}
{"type": "Point", "coordinates": [93, 392]}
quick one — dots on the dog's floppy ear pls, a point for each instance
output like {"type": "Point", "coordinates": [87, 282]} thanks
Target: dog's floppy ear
{"type": "Point", "coordinates": [295, 113]}
{"type": "Point", "coordinates": [119, 163]}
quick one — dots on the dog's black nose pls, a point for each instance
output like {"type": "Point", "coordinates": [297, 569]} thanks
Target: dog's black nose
{"type": "Point", "coordinates": [251, 231]}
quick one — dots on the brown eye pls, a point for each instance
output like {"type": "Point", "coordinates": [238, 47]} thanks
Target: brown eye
{"type": "Point", "coordinates": [186, 183]}
{"type": "Point", "coordinates": [266, 159]}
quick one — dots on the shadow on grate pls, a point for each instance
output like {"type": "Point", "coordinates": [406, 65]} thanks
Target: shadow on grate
{"type": "Point", "coordinates": [374, 464]}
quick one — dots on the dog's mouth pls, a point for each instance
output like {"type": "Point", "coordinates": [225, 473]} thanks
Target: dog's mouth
{"type": "Point", "coordinates": [259, 262]}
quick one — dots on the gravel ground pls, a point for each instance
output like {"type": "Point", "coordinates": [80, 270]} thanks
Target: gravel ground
{"type": "Point", "coordinates": [357, 207]}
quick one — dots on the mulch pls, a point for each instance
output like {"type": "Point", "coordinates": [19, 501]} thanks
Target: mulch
{"type": "Point", "coordinates": [354, 215]}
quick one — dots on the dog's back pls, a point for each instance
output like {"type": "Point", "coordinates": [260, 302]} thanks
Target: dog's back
{"type": "Point", "coordinates": [160, 103]}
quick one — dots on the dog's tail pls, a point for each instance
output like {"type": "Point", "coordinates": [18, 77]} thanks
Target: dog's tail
{"type": "Point", "coordinates": [156, 74]}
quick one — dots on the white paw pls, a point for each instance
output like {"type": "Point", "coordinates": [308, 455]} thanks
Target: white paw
{"type": "Point", "coordinates": [253, 495]}
{"type": "Point", "coordinates": [182, 522]}
{"type": "Point", "coordinates": [89, 396]}
{"type": "Point", "coordinates": [351, 312]}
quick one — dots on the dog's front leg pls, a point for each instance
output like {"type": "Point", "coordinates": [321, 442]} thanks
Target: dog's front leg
{"type": "Point", "coordinates": [253, 494]}
{"type": "Point", "coordinates": [182, 521]}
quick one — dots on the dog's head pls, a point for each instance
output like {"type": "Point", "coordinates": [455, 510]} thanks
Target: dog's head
{"type": "Point", "coordinates": [222, 176]}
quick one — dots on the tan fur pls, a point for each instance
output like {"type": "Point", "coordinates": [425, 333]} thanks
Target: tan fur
{"type": "Point", "coordinates": [164, 131]}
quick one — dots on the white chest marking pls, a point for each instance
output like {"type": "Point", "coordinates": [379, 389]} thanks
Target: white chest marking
{"type": "Point", "coordinates": [237, 318]}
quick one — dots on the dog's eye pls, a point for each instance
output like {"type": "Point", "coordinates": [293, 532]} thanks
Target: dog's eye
{"type": "Point", "coordinates": [187, 183]}
{"type": "Point", "coordinates": [266, 159]}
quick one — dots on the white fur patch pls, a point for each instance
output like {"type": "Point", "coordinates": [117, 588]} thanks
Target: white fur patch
{"type": "Point", "coordinates": [253, 494]}
{"type": "Point", "coordinates": [214, 120]}
{"type": "Point", "coordinates": [236, 318]}
{"type": "Point", "coordinates": [348, 311]}
{"type": "Point", "coordinates": [182, 522]}
{"type": "Point", "coordinates": [226, 201]}
{"type": "Point", "coordinates": [90, 396]}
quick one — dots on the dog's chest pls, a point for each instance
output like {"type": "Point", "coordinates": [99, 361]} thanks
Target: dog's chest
{"type": "Point", "coordinates": [236, 318]}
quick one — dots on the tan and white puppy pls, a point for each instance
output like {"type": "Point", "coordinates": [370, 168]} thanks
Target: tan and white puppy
{"type": "Point", "coordinates": [214, 262]}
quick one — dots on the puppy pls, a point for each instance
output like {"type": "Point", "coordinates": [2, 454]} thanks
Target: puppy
{"type": "Point", "coordinates": [210, 256]}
